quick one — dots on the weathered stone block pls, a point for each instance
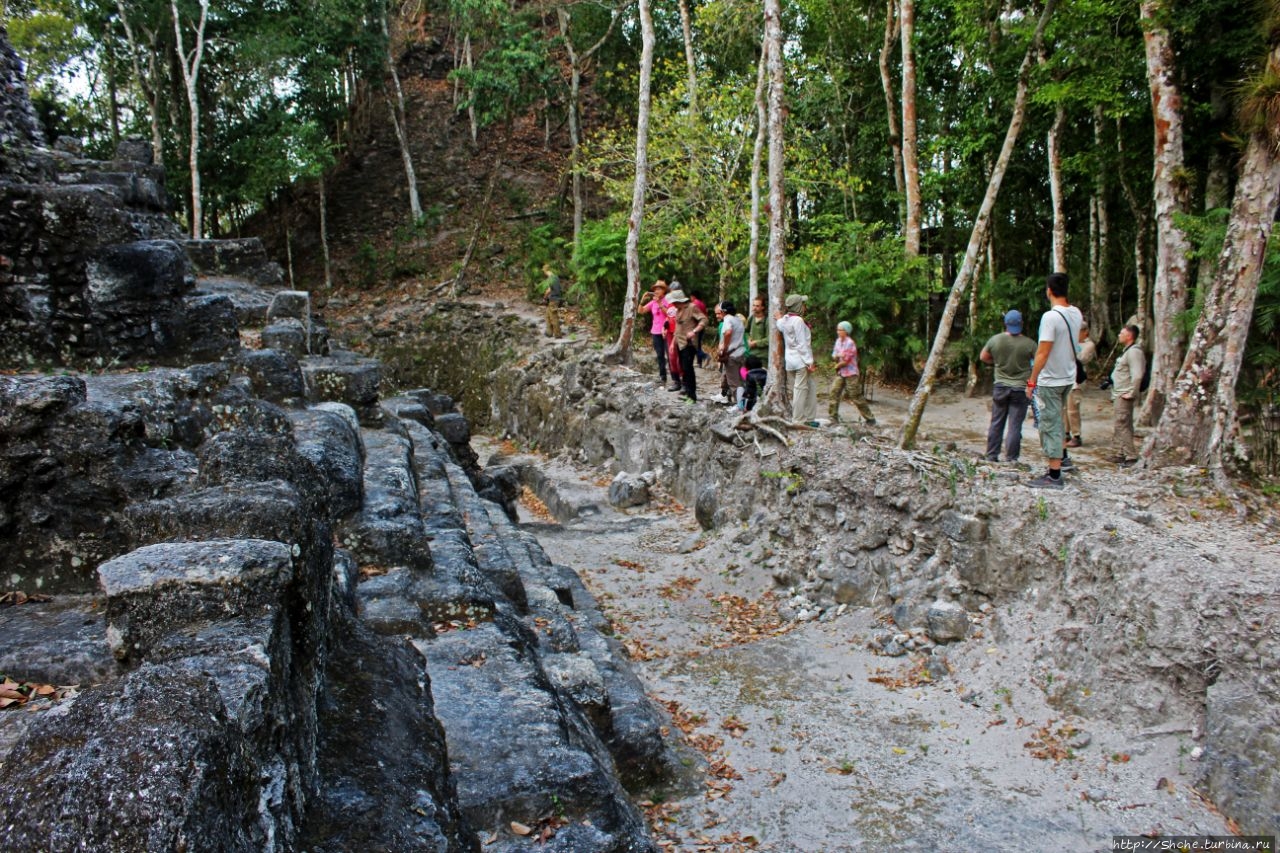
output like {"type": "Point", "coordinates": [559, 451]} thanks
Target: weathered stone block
{"type": "Point", "coordinates": [295, 304]}
{"type": "Point", "coordinates": [160, 588]}
{"type": "Point", "coordinates": [627, 490]}
{"type": "Point", "coordinates": [948, 622]}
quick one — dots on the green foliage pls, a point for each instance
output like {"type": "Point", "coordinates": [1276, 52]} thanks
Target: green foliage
{"type": "Point", "coordinates": [600, 267]}
{"type": "Point", "coordinates": [541, 245]}
{"type": "Point", "coordinates": [512, 73]}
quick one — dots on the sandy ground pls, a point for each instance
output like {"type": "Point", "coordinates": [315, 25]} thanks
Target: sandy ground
{"type": "Point", "coordinates": [800, 738]}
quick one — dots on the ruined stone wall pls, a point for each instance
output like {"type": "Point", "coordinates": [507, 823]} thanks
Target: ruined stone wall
{"type": "Point", "coordinates": [1140, 625]}
{"type": "Point", "coordinates": [19, 126]}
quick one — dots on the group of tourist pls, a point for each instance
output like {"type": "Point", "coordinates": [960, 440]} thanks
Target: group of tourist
{"type": "Point", "coordinates": [1047, 373]}
{"type": "Point", "coordinates": [677, 321]}
{"type": "Point", "coordinates": [1044, 375]}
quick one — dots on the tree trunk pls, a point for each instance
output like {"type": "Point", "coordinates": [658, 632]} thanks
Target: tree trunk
{"type": "Point", "coordinates": [576, 62]}
{"type": "Point", "coordinates": [891, 103]}
{"type": "Point", "coordinates": [687, 28]}
{"type": "Point", "coordinates": [757, 155]}
{"type": "Point", "coordinates": [1171, 192]}
{"type": "Point", "coordinates": [190, 66]}
{"type": "Point", "coordinates": [915, 411]}
{"type": "Point", "coordinates": [1099, 240]}
{"type": "Point", "coordinates": [910, 153]}
{"type": "Point", "coordinates": [773, 401]}
{"type": "Point", "coordinates": [324, 235]}
{"type": "Point", "coordinates": [147, 85]}
{"type": "Point", "coordinates": [622, 350]}
{"type": "Point", "coordinates": [1141, 245]}
{"type": "Point", "coordinates": [971, 381]}
{"type": "Point", "coordinates": [400, 121]}
{"type": "Point", "coordinates": [1199, 424]}
{"type": "Point", "coordinates": [1055, 189]}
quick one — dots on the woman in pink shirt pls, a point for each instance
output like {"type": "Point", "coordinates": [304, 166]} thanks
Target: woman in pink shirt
{"type": "Point", "coordinates": [654, 302]}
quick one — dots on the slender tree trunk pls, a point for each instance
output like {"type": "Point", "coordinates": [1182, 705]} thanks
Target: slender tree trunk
{"type": "Point", "coordinates": [687, 28]}
{"type": "Point", "coordinates": [1199, 424]}
{"type": "Point", "coordinates": [399, 121]}
{"type": "Point", "coordinates": [1141, 244]}
{"type": "Point", "coordinates": [1099, 240]}
{"type": "Point", "coordinates": [757, 155]}
{"type": "Point", "coordinates": [971, 382]}
{"type": "Point", "coordinates": [469, 61]}
{"type": "Point", "coordinates": [190, 66]}
{"type": "Point", "coordinates": [324, 235]}
{"type": "Point", "coordinates": [288, 251]}
{"type": "Point", "coordinates": [773, 401]}
{"type": "Point", "coordinates": [910, 152]}
{"type": "Point", "coordinates": [146, 84]}
{"type": "Point", "coordinates": [1055, 189]}
{"type": "Point", "coordinates": [915, 411]}
{"type": "Point", "coordinates": [891, 103]}
{"type": "Point", "coordinates": [622, 350]}
{"type": "Point", "coordinates": [1171, 194]}
{"type": "Point", "coordinates": [576, 62]}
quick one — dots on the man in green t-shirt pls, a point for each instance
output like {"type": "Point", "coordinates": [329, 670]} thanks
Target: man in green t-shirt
{"type": "Point", "coordinates": [1011, 353]}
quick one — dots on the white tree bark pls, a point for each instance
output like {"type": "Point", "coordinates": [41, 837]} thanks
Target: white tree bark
{"type": "Point", "coordinates": [777, 200]}
{"type": "Point", "coordinates": [1199, 424]}
{"type": "Point", "coordinates": [146, 83]}
{"type": "Point", "coordinates": [686, 27]}
{"type": "Point", "coordinates": [190, 65]}
{"type": "Point", "coordinates": [1099, 242]}
{"type": "Point", "coordinates": [757, 155]}
{"type": "Point", "coordinates": [400, 121]}
{"type": "Point", "coordinates": [1055, 189]}
{"type": "Point", "coordinates": [910, 152]}
{"type": "Point", "coordinates": [891, 102]}
{"type": "Point", "coordinates": [915, 410]}
{"type": "Point", "coordinates": [576, 62]}
{"type": "Point", "coordinates": [622, 350]}
{"type": "Point", "coordinates": [1171, 194]}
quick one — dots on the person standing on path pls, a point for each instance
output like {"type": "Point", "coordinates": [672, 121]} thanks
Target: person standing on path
{"type": "Point", "coordinates": [1087, 352]}
{"type": "Point", "coordinates": [799, 360]}
{"type": "Point", "coordinates": [1011, 353]}
{"type": "Point", "coordinates": [1126, 380]}
{"type": "Point", "coordinates": [554, 297]}
{"type": "Point", "coordinates": [848, 378]}
{"type": "Point", "coordinates": [655, 303]}
{"type": "Point", "coordinates": [689, 325]}
{"type": "Point", "coordinates": [1053, 375]}
{"type": "Point", "coordinates": [732, 350]}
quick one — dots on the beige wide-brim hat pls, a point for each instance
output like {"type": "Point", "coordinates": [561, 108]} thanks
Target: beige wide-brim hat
{"type": "Point", "coordinates": [795, 301]}
{"type": "Point", "coordinates": [677, 296]}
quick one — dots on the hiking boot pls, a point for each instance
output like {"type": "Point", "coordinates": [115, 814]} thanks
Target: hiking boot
{"type": "Point", "coordinates": [1067, 464]}
{"type": "Point", "coordinates": [1044, 481]}
{"type": "Point", "coordinates": [1074, 441]}
{"type": "Point", "coordinates": [675, 386]}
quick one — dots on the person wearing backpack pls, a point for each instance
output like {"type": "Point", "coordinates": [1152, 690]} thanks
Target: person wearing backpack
{"type": "Point", "coordinates": [1053, 375]}
{"type": "Point", "coordinates": [1126, 382]}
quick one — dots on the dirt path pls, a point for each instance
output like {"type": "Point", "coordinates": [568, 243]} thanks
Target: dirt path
{"type": "Point", "coordinates": [802, 739]}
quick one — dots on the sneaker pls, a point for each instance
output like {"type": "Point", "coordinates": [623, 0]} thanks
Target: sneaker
{"type": "Point", "coordinates": [870, 422]}
{"type": "Point", "coordinates": [1067, 464]}
{"type": "Point", "coordinates": [813, 424]}
{"type": "Point", "coordinates": [1044, 481]}
{"type": "Point", "coordinates": [1074, 441]}
{"type": "Point", "coordinates": [675, 386]}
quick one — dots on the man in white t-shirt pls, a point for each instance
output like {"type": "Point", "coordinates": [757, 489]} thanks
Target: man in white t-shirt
{"type": "Point", "coordinates": [732, 350]}
{"type": "Point", "coordinates": [1053, 374]}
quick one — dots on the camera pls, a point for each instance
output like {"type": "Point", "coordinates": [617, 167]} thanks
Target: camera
{"type": "Point", "coordinates": [1105, 384]}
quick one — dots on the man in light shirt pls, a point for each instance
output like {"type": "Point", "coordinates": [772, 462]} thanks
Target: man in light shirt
{"type": "Point", "coordinates": [1054, 374]}
{"type": "Point", "coordinates": [799, 360]}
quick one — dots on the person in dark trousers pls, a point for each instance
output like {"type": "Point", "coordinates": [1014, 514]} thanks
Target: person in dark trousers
{"type": "Point", "coordinates": [1011, 353]}
{"type": "Point", "coordinates": [689, 325]}
{"type": "Point", "coordinates": [654, 303]}
{"type": "Point", "coordinates": [753, 388]}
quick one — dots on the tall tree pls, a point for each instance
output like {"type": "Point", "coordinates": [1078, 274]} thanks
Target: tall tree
{"type": "Point", "coordinates": [910, 147]}
{"type": "Point", "coordinates": [762, 128]}
{"type": "Point", "coordinates": [1054, 148]}
{"type": "Point", "coordinates": [915, 410]}
{"type": "Point", "coordinates": [891, 101]}
{"type": "Point", "coordinates": [1171, 192]}
{"type": "Point", "coordinates": [1199, 423]}
{"type": "Point", "coordinates": [189, 63]}
{"type": "Point", "coordinates": [399, 120]}
{"type": "Point", "coordinates": [143, 40]}
{"type": "Point", "coordinates": [622, 350]}
{"type": "Point", "coordinates": [777, 196]}
{"type": "Point", "coordinates": [1099, 236]}
{"type": "Point", "coordinates": [691, 66]}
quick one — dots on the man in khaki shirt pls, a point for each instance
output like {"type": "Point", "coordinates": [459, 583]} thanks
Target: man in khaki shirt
{"type": "Point", "coordinates": [1126, 380]}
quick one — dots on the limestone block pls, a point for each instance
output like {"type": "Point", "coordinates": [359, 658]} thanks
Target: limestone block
{"type": "Point", "coordinates": [294, 304]}
{"type": "Point", "coordinates": [947, 621]}
{"type": "Point", "coordinates": [157, 589]}
{"type": "Point", "coordinates": [627, 490]}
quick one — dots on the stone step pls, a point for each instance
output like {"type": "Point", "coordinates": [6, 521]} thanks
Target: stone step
{"type": "Point", "coordinates": [388, 531]}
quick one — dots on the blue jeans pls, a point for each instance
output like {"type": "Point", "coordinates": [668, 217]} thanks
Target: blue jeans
{"type": "Point", "coordinates": [1008, 406]}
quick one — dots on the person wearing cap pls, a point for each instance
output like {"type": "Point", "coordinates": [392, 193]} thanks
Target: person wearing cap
{"type": "Point", "coordinates": [654, 302]}
{"type": "Point", "coordinates": [689, 324]}
{"type": "Point", "coordinates": [1086, 353]}
{"type": "Point", "coordinates": [799, 360]}
{"type": "Point", "coordinates": [554, 298]}
{"type": "Point", "coordinates": [1011, 353]}
{"type": "Point", "coordinates": [845, 352]}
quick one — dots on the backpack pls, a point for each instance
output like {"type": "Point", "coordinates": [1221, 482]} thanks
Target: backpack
{"type": "Point", "coordinates": [1146, 378]}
